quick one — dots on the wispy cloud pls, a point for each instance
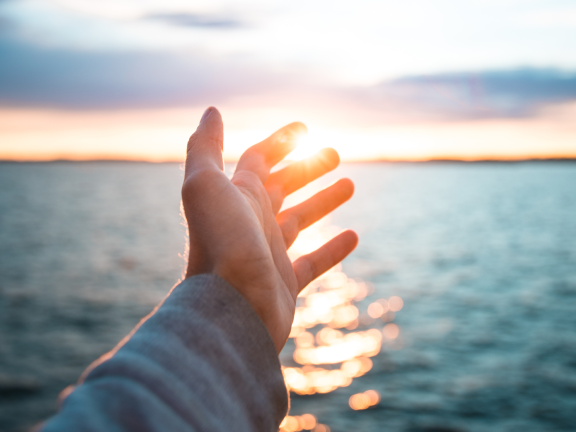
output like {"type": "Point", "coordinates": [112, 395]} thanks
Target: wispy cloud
{"type": "Point", "coordinates": [36, 76]}
{"type": "Point", "coordinates": [216, 21]}
{"type": "Point", "coordinates": [485, 94]}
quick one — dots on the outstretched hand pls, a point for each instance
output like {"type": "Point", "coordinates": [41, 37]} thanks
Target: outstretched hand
{"type": "Point", "coordinates": [236, 230]}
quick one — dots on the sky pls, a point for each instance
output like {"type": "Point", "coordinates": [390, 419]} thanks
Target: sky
{"type": "Point", "coordinates": [375, 79]}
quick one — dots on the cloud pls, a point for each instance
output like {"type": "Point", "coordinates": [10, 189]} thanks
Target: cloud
{"type": "Point", "coordinates": [199, 20]}
{"type": "Point", "coordinates": [468, 95]}
{"type": "Point", "coordinates": [35, 76]}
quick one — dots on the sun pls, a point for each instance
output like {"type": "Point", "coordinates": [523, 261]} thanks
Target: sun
{"type": "Point", "coordinates": [308, 145]}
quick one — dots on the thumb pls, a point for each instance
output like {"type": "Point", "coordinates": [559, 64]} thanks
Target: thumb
{"type": "Point", "coordinates": [206, 144]}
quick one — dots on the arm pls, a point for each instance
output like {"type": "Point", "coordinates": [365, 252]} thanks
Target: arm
{"type": "Point", "coordinates": [202, 361]}
{"type": "Point", "coordinates": [206, 358]}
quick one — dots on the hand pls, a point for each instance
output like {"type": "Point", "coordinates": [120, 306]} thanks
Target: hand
{"type": "Point", "coordinates": [234, 227]}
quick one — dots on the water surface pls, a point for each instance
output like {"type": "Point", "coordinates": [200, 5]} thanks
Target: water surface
{"type": "Point", "coordinates": [484, 256]}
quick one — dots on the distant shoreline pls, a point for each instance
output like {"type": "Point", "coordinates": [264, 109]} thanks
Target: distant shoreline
{"type": "Point", "coordinates": [391, 161]}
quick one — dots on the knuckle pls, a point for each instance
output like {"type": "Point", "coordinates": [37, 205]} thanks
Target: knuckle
{"type": "Point", "coordinates": [247, 180]}
{"type": "Point", "coordinates": [252, 160]}
{"type": "Point", "coordinates": [197, 181]}
{"type": "Point", "coordinates": [200, 140]}
{"type": "Point", "coordinates": [276, 191]}
{"type": "Point", "coordinates": [290, 228]}
{"type": "Point", "coordinates": [308, 270]}
{"type": "Point", "coordinates": [188, 187]}
{"type": "Point", "coordinates": [192, 141]}
{"type": "Point", "coordinates": [249, 153]}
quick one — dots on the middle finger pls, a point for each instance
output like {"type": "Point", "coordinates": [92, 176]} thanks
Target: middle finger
{"type": "Point", "coordinates": [298, 174]}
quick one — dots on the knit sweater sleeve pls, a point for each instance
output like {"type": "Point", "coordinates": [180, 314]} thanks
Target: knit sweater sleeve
{"type": "Point", "coordinates": [201, 361]}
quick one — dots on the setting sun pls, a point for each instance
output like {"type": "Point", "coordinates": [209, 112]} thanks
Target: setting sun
{"type": "Point", "coordinates": [308, 145]}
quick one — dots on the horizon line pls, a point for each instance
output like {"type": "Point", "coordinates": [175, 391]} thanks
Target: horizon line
{"type": "Point", "coordinates": [430, 160]}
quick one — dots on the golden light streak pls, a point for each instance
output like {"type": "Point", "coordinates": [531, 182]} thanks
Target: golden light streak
{"type": "Point", "coordinates": [395, 303]}
{"type": "Point", "coordinates": [391, 331]}
{"type": "Point", "coordinates": [362, 401]}
{"type": "Point", "coordinates": [303, 422]}
{"type": "Point", "coordinates": [328, 350]}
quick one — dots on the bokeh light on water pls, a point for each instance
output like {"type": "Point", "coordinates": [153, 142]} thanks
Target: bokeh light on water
{"type": "Point", "coordinates": [333, 338]}
{"type": "Point", "coordinates": [481, 254]}
{"type": "Point", "coordinates": [362, 401]}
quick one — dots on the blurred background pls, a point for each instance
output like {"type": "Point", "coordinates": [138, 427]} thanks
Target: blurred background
{"type": "Point", "coordinates": [128, 79]}
{"type": "Point", "coordinates": [455, 120]}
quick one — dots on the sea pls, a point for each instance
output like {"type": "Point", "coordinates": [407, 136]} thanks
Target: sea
{"type": "Point", "coordinates": [463, 287]}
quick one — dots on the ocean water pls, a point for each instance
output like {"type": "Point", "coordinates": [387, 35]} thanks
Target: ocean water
{"type": "Point", "coordinates": [483, 256]}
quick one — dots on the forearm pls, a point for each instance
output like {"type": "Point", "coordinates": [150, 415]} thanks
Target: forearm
{"type": "Point", "coordinates": [203, 361]}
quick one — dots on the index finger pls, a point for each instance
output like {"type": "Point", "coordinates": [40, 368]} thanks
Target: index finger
{"type": "Point", "coordinates": [261, 157]}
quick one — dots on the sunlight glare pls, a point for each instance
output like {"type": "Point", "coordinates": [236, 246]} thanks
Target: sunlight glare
{"type": "Point", "coordinates": [307, 146]}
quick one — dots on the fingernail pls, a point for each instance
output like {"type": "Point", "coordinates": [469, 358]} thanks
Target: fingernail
{"type": "Point", "coordinates": [206, 114]}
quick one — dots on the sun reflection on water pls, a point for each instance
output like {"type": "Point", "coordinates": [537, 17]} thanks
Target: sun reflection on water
{"type": "Point", "coordinates": [334, 340]}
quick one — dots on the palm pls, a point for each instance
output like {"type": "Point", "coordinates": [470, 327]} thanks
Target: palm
{"type": "Point", "coordinates": [236, 230]}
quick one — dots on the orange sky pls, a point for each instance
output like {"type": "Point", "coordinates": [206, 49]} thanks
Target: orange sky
{"type": "Point", "coordinates": [128, 79]}
{"type": "Point", "coordinates": [161, 134]}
